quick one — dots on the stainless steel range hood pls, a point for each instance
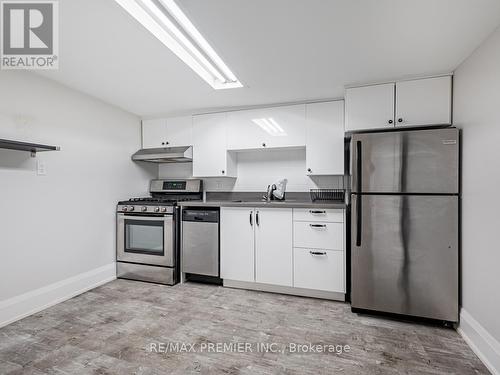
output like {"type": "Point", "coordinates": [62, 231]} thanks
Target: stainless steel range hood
{"type": "Point", "coordinates": [165, 155]}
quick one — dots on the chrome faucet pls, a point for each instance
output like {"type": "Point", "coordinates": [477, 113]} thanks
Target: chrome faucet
{"type": "Point", "coordinates": [269, 196]}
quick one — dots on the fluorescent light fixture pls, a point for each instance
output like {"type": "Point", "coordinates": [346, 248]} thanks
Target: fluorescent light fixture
{"type": "Point", "coordinates": [270, 126]}
{"type": "Point", "coordinates": [166, 21]}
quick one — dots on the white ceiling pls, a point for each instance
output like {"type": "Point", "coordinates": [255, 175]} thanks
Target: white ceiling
{"type": "Point", "coordinates": [282, 50]}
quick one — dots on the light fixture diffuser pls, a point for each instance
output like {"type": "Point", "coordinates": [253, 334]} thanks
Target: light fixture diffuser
{"type": "Point", "coordinates": [166, 21]}
{"type": "Point", "coordinates": [270, 126]}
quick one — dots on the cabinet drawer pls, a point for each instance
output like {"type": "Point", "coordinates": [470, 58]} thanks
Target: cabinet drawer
{"type": "Point", "coordinates": [318, 214]}
{"type": "Point", "coordinates": [319, 269]}
{"type": "Point", "coordinates": [318, 235]}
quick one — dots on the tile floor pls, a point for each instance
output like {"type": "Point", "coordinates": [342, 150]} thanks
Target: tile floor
{"type": "Point", "coordinates": [111, 330]}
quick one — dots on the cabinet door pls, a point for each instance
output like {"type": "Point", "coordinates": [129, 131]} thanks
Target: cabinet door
{"type": "Point", "coordinates": [423, 102]}
{"type": "Point", "coordinates": [325, 138]}
{"type": "Point", "coordinates": [369, 107]}
{"type": "Point", "coordinates": [237, 255]}
{"type": "Point", "coordinates": [210, 157]}
{"type": "Point", "coordinates": [273, 246]}
{"type": "Point", "coordinates": [153, 133]}
{"type": "Point", "coordinates": [267, 128]}
{"type": "Point", "coordinates": [179, 131]}
{"type": "Point", "coordinates": [286, 126]}
{"type": "Point", "coordinates": [244, 132]}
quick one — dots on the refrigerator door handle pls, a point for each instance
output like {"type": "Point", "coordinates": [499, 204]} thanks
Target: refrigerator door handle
{"type": "Point", "coordinates": [358, 166]}
{"type": "Point", "coordinates": [358, 200]}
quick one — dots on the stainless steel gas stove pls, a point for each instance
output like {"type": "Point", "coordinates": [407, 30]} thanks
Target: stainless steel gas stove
{"type": "Point", "coordinates": [148, 235]}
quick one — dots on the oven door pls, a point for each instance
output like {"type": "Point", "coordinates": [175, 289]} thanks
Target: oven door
{"type": "Point", "coordinates": [145, 239]}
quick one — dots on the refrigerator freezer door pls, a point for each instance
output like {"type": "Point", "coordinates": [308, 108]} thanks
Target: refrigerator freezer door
{"type": "Point", "coordinates": [418, 161]}
{"type": "Point", "coordinates": [405, 255]}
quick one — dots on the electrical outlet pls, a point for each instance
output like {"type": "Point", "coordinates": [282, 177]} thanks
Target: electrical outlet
{"type": "Point", "coordinates": [41, 168]}
{"type": "Point", "coordinates": [218, 184]}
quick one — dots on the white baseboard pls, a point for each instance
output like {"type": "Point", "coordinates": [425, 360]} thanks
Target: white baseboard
{"type": "Point", "coordinates": [486, 347]}
{"type": "Point", "coordinates": [21, 306]}
{"type": "Point", "coordinates": [336, 296]}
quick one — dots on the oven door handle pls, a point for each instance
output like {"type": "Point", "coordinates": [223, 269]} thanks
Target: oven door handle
{"type": "Point", "coordinates": [145, 218]}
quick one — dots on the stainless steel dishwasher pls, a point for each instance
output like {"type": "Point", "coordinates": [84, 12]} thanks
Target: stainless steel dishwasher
{"type": "Point", "coordinates": [200, 242]}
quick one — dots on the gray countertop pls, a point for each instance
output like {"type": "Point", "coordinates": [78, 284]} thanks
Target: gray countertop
{"type": "Point", "coordinates": [287, 204]}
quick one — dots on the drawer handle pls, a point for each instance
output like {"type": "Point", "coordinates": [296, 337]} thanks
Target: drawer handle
{"type": "Point", "coordinates": [317, 225]}
{"type": "Point", "coordinates": [316, 212]}
{"type": "Point", "coordinates": [317, 252]}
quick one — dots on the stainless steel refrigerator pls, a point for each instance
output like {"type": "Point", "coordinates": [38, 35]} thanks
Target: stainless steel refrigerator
{"type": "Point", "coordinates": [405, 223]}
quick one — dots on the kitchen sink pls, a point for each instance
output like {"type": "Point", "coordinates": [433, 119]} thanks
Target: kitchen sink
{"type": "Point", "coordinates": [261, 202]}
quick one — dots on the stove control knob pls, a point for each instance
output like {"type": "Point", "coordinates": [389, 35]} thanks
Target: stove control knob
{"type": "Point", "coordinates": [125, 208]}
{"type": "Point", "coordinates": [144, 208]}
{"type": "Point", "coordinates": [131, 208]}
{"type": "Point", "coordinates": [164, 209]}
{"type": "Point", "coordinates": [157, 209]}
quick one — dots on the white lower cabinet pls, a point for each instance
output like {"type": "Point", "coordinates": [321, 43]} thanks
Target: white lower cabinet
{"type": "Point", "coordinates": [284, 250]}
{"type": "Point", "coordinates": [318, 235]}
{"type": "Point", "coordinates": [318, 214]}
{"type": "Point", "coordinates": [273, 246]}
{"type": "Point", "coordinates": [237, 253]}
{"type": "Point", "coordinates": [256, 245]}
{"type": "Point", "coordinates": [319, 269]}
{"type": "Point", "coordinates": [319, 249]}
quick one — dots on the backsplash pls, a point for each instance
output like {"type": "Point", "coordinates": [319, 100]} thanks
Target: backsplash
{"type": "Point", "coordinates": [259, 168]}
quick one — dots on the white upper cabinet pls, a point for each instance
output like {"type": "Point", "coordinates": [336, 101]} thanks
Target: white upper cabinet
{"type": "Point", "coordinates": [419, 102]}
{"type": "Point", "coordinates": [325, 138]}
{"type": "Point", "coordinates": [153, 133]}
{"type": "Point", "coordinates": [424, 102]}
{"type": "Point", "coordinates": [274, 127]}
{"type": "Point", "coordinates": [273, 246]}
{"type": "Point", "coordinates": [170, 132]}
{"type": "Point", "coordinates": [179, 131]}
{"type": "Point", "coordinates": [243, 131]}
{"type": "Point", "coordinates": [369, 107]}
{"type": "Point", "coordinates": [210, 156]}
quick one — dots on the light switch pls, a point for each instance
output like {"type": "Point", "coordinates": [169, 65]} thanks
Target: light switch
{"type": "Point", "coordinates": [41, 169]}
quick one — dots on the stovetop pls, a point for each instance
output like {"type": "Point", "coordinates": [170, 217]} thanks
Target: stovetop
{"type": "Point", "coordinates": [158, 201]}
{"type": "Point", "coordinates": [165, 193]}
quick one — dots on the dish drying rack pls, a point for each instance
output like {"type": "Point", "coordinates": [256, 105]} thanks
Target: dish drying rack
{"type": "Point", "coordinates": [331, 194]}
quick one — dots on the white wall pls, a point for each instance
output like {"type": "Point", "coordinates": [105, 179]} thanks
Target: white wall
{"type": "Point", "coordinates": [477, 112]}
{"type": "Point", "coordinates": [257, 169]}
{"type": "Point", "coordinates": [60, 225]}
